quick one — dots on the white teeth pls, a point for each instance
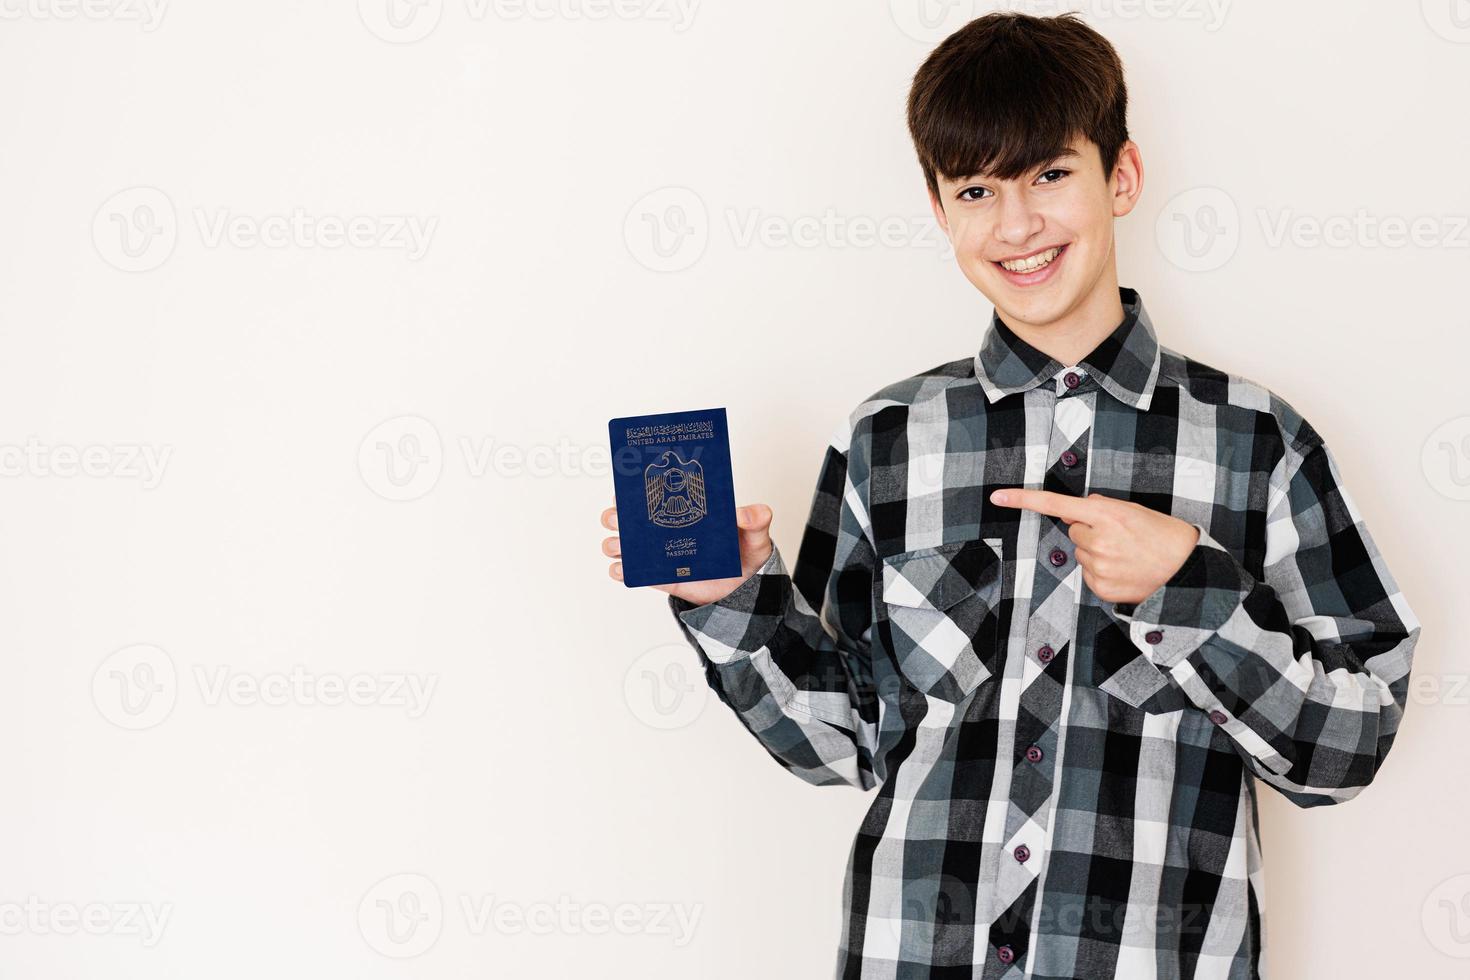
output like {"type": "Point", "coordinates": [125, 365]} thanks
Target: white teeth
{"type": "Point", "coordinates": [1034, 262]}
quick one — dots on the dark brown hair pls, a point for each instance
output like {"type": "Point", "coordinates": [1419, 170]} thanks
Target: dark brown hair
{"type": "Point", "coordinates": [1007, 92]}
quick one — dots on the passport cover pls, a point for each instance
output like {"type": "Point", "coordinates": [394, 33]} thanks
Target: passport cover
{"type": "Point", "coordinates": [675, 496]}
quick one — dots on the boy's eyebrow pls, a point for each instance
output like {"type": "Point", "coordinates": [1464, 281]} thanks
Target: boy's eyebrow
{"type": "Point", "coordinates": [1065, 154]}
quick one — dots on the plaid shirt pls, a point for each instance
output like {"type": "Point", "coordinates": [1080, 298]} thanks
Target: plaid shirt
{"type": "Point", "coordinates": [1067, 786]}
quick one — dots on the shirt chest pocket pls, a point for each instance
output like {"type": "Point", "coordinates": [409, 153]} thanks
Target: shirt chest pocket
{"type": "Point", "coordinates": [938, 612]}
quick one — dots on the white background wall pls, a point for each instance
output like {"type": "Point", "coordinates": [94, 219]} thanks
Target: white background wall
{"type": "Point", "coordinates": [170, 630]}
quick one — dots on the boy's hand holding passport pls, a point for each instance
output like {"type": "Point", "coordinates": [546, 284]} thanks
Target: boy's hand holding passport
{"type": "Point", "coordinates": [679, 529]}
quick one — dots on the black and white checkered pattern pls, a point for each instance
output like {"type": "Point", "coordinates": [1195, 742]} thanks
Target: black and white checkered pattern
{"type": "Point", "coordinates": [1066, 785]}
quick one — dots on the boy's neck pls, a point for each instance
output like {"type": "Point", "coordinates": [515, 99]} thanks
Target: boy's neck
{"type": "Point", "coordinates": [1076, 334]}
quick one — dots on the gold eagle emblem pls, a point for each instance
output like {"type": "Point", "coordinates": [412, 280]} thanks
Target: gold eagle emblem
{"type": "Point", "coordinates": [675, 490]}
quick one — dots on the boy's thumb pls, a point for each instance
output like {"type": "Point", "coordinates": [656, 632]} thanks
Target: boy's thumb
{"type": "Point", "coordinates": [754, 516]}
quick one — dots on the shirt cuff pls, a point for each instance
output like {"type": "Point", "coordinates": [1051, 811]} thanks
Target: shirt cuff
{"type": "Point", "coordinates": [1179, 616]}
{"type": "Point", "coordinates": [743, 621]}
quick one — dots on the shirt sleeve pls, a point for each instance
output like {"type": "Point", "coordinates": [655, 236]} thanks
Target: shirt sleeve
{"type": "Point", "coordinates": [790, 654]}
{"type": "Point", "coordinates": [1307, 668]}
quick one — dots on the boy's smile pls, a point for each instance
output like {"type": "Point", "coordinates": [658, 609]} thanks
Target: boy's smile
{"type": "Point", "coordinates": [1034, 267]}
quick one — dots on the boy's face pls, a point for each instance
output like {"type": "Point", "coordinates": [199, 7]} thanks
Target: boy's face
{"type": "Point", "coordinates": [1065, 204]}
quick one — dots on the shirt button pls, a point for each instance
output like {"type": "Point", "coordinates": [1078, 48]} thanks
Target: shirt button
{"type": "Point", "coordinates": [1033, 754]}
{"type": "Point", "coordinates": [1058, 557]}
{"type": "Point", "coordinates": [1005, 954]}
{"type": "Point", "coordinates": [1069, 458]}
{"type": "Point", "coordinates": [1045, 654]}
{"type": "Point", "coordinates": [1219, 717]}
{"type": "Point", "coordinates": [1072, 379]}
{"type": "Point", "coordinates": [1154, 636]}
{"type": "Point", "coordinates": [1022, 852]}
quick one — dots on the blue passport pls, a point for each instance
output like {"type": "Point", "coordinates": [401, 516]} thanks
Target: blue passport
{"type": "Point", "coordinates": [675, 496]}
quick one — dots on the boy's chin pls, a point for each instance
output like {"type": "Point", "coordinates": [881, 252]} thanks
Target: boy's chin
{"type": "Point", "coordinates": [1030, 304]}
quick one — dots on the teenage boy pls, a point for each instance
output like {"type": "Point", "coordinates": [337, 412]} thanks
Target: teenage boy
{"type": "Point", "coordinates": [1064, 601]}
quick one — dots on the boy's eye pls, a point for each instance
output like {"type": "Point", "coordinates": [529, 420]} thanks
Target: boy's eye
{"type": "Point", "coordinates": [978, 193]}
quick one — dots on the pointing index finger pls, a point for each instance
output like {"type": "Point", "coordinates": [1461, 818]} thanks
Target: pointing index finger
{"type": "Point", "coordinates": [1062, 505]}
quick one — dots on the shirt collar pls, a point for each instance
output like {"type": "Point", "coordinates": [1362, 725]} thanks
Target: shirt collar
{"type": "Point", "coordinates": [1125, 363]}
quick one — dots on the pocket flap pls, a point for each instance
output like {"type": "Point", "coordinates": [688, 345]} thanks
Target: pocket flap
{"type": "Point", "coordinates": [1135, 682]}
{"type": "Point", "coordinates": [939, 577]}
{"type": "Point", "coordinates": [1123, 671]}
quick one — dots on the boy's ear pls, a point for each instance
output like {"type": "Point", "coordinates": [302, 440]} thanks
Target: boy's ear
{"type": "Point", "coordinates": [1129, 176]}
